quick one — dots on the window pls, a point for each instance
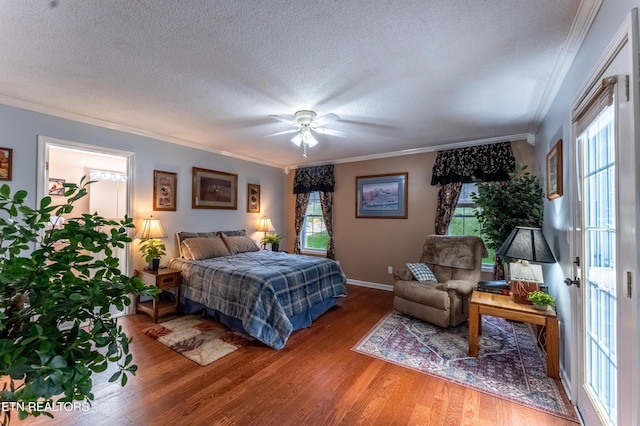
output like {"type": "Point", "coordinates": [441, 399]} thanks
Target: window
{"type": "Point", "coordinates": [464, 221]}
{"type": "Point", "coordinates": [314, 235]}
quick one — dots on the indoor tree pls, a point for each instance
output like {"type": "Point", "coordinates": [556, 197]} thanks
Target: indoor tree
{"type": "Point", "coordinates": [57, 285]}
{"type": "Point", "coordinates": [504, 205]}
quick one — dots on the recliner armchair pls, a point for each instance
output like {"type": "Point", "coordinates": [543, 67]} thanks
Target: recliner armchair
{"type": "Point", "coordinates": [457, 264]}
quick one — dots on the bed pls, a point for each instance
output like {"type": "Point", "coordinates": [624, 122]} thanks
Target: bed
{"type": "Point", "coordinates": [264, 294]}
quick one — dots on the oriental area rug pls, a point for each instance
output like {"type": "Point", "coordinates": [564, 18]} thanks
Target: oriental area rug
{"type": "Point", "coordinates": [202, 340]}
{"type": "Point", "coordinates": [509, 365]}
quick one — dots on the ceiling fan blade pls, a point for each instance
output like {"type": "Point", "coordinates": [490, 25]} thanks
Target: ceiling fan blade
{"type": "Point", "coordinates": [326, 119]}
{"type": "Point", "coordinates": [284, 119]}
{"type": "Point", "coordinates": [332, 132]}
{"type": "Point", "coordinates": [280, 133]}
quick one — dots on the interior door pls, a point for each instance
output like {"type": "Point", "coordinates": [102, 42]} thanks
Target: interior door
{"type": "Point", "coordinates": [605, 311]}
{"type": "Point", "coordinates": [109, 194]}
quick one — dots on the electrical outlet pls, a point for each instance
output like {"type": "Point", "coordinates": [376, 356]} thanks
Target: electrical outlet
{"type": "Point", "coordinates": [389, 269]}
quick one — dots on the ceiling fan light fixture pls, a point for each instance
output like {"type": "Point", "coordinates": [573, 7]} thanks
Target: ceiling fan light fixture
{"type": "Point", "coordinates": [308, 139]}
{"type": "Point", "coordinates": [297, 139]}
{"type": "Point", "coordinates": [308, 122]}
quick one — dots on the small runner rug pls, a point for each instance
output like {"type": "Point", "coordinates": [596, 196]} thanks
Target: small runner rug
{"type": "Point", "coordinates": [510, 365]}
{"type": "Point", "coordinates": [202, 340]}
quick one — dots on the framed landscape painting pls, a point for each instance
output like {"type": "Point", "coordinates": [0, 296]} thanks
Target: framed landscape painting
{"type": "Point", "coordinates": [382, 196]}
{"type": "Point", "coordinates": [214, 190]}
{"type": "Point", "coordinates": [164, 190]}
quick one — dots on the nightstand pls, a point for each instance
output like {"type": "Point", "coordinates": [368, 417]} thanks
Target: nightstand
{"type": "Point", "coordinates": [163, 279]}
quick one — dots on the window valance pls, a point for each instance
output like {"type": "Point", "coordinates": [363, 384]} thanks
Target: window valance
{"type": "Point", "coordinates": [487, 163]}
{"type": "Point", "coordinates": [314, 178]}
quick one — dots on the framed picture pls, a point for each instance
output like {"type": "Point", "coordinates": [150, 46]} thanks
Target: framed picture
{"type": "Point", "coordinates": [6, 160]}
{"type": "Point", "coordinates": [56, 186]}
{"type": "Point", "coordinates": [554, 171]}
{"type": "Point", "coordinates": [253, 198]}
{"type": "Point", "coordinates": [382, 196]}
{"type": "Point", "coordinates": [164, 190]}
{"type": "Point", "coordinates": [214, 190]}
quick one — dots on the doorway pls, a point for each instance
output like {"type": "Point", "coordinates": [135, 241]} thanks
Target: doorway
{"type": "Point", "coordinates": [109, 195]}
{"type": "Point", "coordinates": [605, 241]}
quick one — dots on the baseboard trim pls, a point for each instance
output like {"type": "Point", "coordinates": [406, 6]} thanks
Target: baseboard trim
{"type": "Point", "coordinates": [378, 286]}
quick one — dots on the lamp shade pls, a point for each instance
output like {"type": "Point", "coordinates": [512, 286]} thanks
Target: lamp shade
{"type": "Point", "coordinates": [265, 225]}
{"type": "Point", "coordinates": [151, 228]}
{"type": "Point", "coordinates": [527, 244]}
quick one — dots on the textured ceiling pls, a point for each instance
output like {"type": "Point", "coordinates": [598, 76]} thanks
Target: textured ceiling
{"type": "Point", "coordinates": [402, 75]}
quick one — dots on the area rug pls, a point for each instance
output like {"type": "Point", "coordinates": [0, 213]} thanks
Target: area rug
{"type": "Point", "coordinates": [202, 340]}
{"type": "Point", "coordinates": [510, 365]}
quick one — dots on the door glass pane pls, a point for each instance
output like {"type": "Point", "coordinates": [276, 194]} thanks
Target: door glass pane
{"type": "Point", "coordinates": [600, 262]}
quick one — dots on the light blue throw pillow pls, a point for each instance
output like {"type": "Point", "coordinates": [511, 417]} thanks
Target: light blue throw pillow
{"type": "Point", "coordinates": [421, 272]}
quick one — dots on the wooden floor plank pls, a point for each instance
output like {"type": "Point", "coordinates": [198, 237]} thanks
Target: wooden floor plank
{"type": "Point", "coordinates": [315, 380]}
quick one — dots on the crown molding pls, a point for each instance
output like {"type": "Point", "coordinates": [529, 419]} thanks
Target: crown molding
{"type": "Point", "coordinates": [55, 112]}
{"type": "Point", "coordinates": [587, 11]}
{"type": "Point", "coordinates": [530, 138]}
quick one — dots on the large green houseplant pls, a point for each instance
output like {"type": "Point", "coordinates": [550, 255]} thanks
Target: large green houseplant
{"type": "Point", "coordinates": [57, 286]}
{"type": "Point", "coordinates": [502, 206]}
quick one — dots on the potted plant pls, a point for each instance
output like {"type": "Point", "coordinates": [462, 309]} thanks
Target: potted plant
{"type": "Point", "coordinates": [541, 300]}
{"type": "Point", "coordinates": [57, 286]}
{"type": "Point", "coordinates": [273, 239]}
{"type": "Point", "coordinates": [152, 249]}
{"type": "Point", "coordinates": [504, 205]}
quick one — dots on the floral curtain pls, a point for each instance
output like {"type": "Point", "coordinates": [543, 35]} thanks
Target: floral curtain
{"type": "Point", "coordinates": [301, 208]}
{"type": "Point", "coordinates": [447, 200]}
{"type": "Point", "coordinates": [305, 181]}
{"type": "Point", "coordinates": [326, 201]}
{"type": "Point", "coordinates": [453, 167]}
{"type": "Point", "coordinates": [315, 178]}
{"type": "Point", "coordinates": [487, 163]}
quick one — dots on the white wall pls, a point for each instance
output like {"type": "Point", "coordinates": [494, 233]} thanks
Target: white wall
{"type": "Point", "coordinates": [20, 130]}
{"type": "Point", "coordinates": [557, 125]}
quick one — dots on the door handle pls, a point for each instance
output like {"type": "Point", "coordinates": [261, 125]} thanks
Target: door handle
{"type": "Point", "coordinates": [575, 281]}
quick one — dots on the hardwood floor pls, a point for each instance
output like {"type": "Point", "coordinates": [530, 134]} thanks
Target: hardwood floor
{"type": "Point", "coordinates": [315, 380]}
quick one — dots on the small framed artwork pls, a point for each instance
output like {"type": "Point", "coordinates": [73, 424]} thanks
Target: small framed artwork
{"type": "Point", "coordinates": [554, 171]}
{"type": "Point", "coordinates": [164, 190]}
{"type": "Point", "coordinates": [6, 160]}
{"type": "Point", "coordinates": [56, 186]}
{"type": "Point", "coordinates": [253, 198]}
{"type": "Point", "coordinates": [382, 196]}
{"type": "Point", "coordinates": [214, 190]}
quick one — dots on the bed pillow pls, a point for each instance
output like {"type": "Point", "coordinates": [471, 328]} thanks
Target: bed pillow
{"type": "Point", "coordinates": [181, 236]}
{"type": "Point", "coordinates": [234, 233]}
{"type": "Point", "coordinates": [421, 272]}
{"type": "Point", "coordinates": [185, 253]}
{"type": "Point", "coordinates": [239, 243]}
{"type": "Point", "coordinates": [204, 248]}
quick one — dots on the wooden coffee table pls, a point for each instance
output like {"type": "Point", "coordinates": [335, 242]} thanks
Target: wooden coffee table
{"type": "Point", "coordinates": [502, 306]}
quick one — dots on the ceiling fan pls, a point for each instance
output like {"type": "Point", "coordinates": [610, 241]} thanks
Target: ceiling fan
{"type": "Point", "coordinates": [306, 123]}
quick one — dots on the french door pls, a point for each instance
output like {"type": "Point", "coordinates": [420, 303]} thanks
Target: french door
{"type": "Point", "coordinates": [604, 310]}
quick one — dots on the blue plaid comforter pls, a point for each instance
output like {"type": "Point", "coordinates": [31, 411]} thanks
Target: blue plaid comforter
{"type": "Point", "coordinates": [262, 289]}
